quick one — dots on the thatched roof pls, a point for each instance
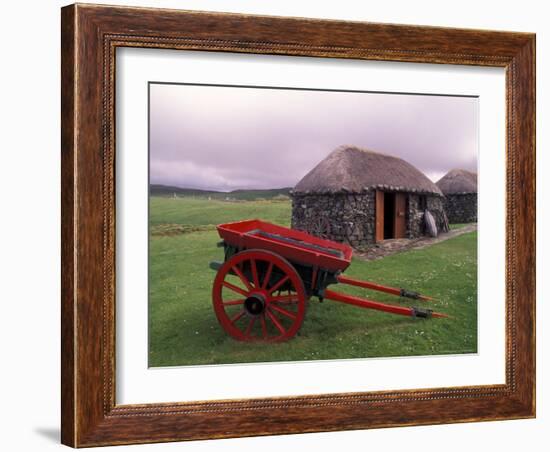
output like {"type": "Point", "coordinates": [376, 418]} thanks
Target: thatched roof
{"type": "Point", "coordinates": [458, 181]}
{"type": "Point", "coordinates": [354, 170]}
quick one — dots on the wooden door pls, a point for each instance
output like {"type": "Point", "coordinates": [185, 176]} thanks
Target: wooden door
{"type": "Point", "coordinates": [400, 226]}
{"type": "Point", "coordinates": [379, 207]}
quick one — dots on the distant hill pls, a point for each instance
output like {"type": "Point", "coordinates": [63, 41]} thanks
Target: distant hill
{"type": "Point", "coordinates": [240, 195]}
{"type": "Point", "coordinates": [258, 194]}
{"type": "Point", "coordinates": [168, 190]}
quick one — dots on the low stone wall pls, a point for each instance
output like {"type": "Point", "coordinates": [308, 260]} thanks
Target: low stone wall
{"type": "Point", "coordinates": [461, 208]}
{"type": "Point", "coordinates": [345, 218]}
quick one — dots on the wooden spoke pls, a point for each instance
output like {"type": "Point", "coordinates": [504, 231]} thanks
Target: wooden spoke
{"type": "Point", "coordinates": [267, 275]}
{"type": "Point", "coordinates": [234, 288]}
{"type": "Point", "coordinates": [255, 279]}
{"type": "Point", "coordinates": [279, 284]}
{"type": "Point", "coordinates": [237, 316]}
{"type": "Point", "coordinates": [285, 299]}
{"type": "Point", "coordinates": [275, 321]}
{"type": "Point", "coordinates": [283, 311]}
{"type": "Point", "coordinates": [250, 326]}
{"type": "Point", "coordinates": [233, 302]}
{"type": "Point", "coordinates": [239, 273]}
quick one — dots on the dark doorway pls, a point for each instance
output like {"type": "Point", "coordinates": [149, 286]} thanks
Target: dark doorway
{"type": "Point", "coordinates": [389, 215]}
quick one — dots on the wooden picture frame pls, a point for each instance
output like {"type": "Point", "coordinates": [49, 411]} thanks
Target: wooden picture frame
{"type": "Point", "coordinates": [90, 36]}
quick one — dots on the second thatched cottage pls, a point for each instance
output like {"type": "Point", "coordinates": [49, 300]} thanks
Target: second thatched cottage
{"type": "Point", "coordinates": [460, 189]}
{"type": "Point", "coordinates": [361, 197]}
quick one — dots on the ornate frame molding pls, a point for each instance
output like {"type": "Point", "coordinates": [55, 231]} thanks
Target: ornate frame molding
{"type": "Point", "coordinates": [90, 37]}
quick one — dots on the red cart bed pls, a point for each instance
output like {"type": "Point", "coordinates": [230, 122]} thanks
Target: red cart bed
{"type": "Point", "coordinates": [270, 272]}
{"type": "Point", "coordinates": [295, 246]}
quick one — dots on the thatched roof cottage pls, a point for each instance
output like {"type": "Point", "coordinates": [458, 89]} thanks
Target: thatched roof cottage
{"type": "Point", "coordinates": [361, 197]}
{"type": "Point", "coordinates": [460, 189]}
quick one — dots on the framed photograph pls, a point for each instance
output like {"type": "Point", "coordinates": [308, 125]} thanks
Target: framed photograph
{"type": "Point", "coordinates": [281, 225]}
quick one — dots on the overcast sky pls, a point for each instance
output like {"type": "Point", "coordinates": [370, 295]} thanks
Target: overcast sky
{"type": "Point", "coordinates": [223, 138]}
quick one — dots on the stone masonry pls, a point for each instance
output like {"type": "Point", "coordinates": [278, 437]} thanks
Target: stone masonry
{"type": "Point", "coordinates": [415, 215]}
{"type": "Point", "coordinates": [461, 208]}
{"type": "Point", "coordinates": [350, 218]}
{"type": "Point", "coordinates": [341, 217]}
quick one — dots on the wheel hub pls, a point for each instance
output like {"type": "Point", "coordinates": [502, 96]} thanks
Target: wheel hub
{"type": "Point", "coordinates": [254, 305]}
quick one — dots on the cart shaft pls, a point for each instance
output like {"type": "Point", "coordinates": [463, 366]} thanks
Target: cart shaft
{"type": "Point", "coordinates": [369, 304]}
{"type": "Point", "coordinates": [381, 288]}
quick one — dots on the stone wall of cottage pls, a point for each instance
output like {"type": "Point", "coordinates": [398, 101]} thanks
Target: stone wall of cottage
{"type": "Point", "coordinates": [345, 218]}
{"type": "Point", "coordinates": [415, 215]}
{"type": "Point", "coordinates": [351, 218]}
{"type": "Point", "coordinates": [461, 208]}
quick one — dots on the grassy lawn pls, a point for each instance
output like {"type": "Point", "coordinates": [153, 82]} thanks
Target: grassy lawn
{"type": "Point", "coordinates": [457, 225]}
{"type": "Point", "coordinates": [201, 212]}
{"type": "Point", "coordinates": [183, 328]}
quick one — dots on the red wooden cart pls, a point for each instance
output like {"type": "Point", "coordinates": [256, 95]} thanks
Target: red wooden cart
{"type": "Point", "coordinates": [269, 273]}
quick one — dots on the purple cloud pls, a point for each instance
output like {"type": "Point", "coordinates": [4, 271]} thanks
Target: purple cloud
{"type": "Point", "coordinates": [224, 138]}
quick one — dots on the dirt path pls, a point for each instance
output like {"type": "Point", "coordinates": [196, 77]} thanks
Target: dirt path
{"type": "Point", "coordinates": [389, 247]}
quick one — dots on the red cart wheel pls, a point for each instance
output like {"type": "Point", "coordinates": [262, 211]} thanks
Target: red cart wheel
{"type": "Point", "coordinates": [259, 296]}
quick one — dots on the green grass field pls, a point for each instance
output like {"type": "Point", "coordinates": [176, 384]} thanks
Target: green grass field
{"type": "Point", "coordinates": [183, 328]}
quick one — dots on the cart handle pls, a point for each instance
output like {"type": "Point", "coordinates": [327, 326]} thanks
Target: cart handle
{"type": "Point", "coordinates": [369, 304]}
{"type": "Point", "coordinates": [380, 288]}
